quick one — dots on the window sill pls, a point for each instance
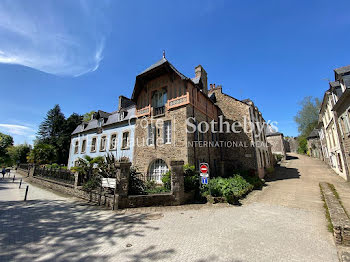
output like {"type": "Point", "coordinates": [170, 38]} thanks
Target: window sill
{"type": "Point", "coordinates": [93, 151]}
{"type": "Point", "coordinates": [168, 143]}
{"type": "Point", "coordinates": [113, 149]}
{"type": "Point", "coordinates": [104, 150]}
{"type": "Point", "coordinates": [160, 115]}
{"type": "Point", "coordinates": [125, 148]}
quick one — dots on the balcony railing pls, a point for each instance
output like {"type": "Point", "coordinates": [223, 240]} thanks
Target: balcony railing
{"type": "Point", "coordinates": [158, 110]}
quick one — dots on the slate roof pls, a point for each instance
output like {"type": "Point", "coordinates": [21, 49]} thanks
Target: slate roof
{"type": "Point", "coordinates": [342, 70]}
{"type": "Point", "coordinates": [346, 79]}
{"type": "Point", "coordinates": [159, 63]}
{"type": "Point", "coordinates": [270, 131]}
{"type": "Point", "coordinates": [334, 84]}
{"type": "Point", "coordinates": [313, 134]}
{"type": "Point", "coordinates": [112, 118]}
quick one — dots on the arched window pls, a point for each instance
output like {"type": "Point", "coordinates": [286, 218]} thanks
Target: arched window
{"type": "Point", "coordinates": [157, 169]}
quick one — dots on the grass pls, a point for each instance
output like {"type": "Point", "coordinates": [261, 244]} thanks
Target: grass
{"type": "Point", "coordinates": [328, 216]}
{"type": "Point", "coordinates": [332, 187]}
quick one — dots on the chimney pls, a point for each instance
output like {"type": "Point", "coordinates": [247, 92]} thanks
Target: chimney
{"type": "Point", "coordinates": [211, 86]}
{"type": "Point", "coordinates": [202, 74]}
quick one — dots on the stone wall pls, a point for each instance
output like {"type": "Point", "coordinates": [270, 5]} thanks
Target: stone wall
{"type": "Point", "coordinates": [314, 147]}
{"type": "Point", "coordinates": [277, 144]}
{"type": "Point", "coordinates": [242, 156]}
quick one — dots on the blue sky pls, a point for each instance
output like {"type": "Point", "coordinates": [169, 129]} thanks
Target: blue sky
{"type": "Point", "coordinates": [83, 54]}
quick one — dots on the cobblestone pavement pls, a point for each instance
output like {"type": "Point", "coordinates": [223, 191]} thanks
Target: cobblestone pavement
{"type": "Point", "coordinates": [283, 222]}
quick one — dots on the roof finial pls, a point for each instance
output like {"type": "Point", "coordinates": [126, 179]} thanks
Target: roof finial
{"type": "Point", "coordinates": [163, 53]}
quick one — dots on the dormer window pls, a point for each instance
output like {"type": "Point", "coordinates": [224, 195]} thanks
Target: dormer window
{"type": "Point", "coordinates": [100, 122]}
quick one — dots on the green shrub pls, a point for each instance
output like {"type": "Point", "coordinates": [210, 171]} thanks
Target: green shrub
{"type": "Point", "coordinates": [151, 187]}
{"type": "Point", "coordinates": [93, 183]}
{"type": "Point", "coordinates": [166, 179]}
{"type": "Point", "coordinates": [191, 178]}
{"type": "Point", "coordinates": [278, 157]}
{"type": "Point", "coordinates": [231, 188]}
{"type": "Point", "coordinates": [136, 185]}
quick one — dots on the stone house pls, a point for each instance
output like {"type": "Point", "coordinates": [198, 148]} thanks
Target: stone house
{"type": "Point", "coordinates": [341, 110]}
{"type": "Point", "coordinates": [314, 144]}
{"type": "Point", "coordinates": [106, 133]}
{"type": "Point", "coordinates": [178, 120]}
{"type": "Point", "coordinates": [331, 129]}
{"type": "Point", "coordinates": [292, 144]}
{"type": "Point", "coordinates": [165, 100]}
{"type": "Point", "coordinates": [323, 143]}
{"type": "Point", "coordinates": [247, 149]}
{"type": "Point", "coordinates": [276, 140]}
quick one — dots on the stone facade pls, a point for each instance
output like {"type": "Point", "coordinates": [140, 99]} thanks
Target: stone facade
{"type": "Point", "coordinates": [250, 150]}
{"type": "Point", "coordinates": [180, 99]}
{"type": "Point", "coordinates": [292, 144]}
{"type": "Point", "coordinates": [314, 145]}
{"type": "Point", "coordinates": [276, 140]}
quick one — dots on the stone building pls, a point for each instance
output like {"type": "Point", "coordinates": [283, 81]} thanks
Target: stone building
{"type": "Point", "coordinates": [276, 140]}
{"type": "Point", "coordinates": [314, 144]}
{"type": "Point", "coordinates": [178, 119]}
{"type": "Point", "coordinates": [250, 150]}
{"type": "Point", "coordinates": [330, 122]}
{"type": "Point", "coordinates": [106, 133]}
{"type": "Point", "coordinates": [292, 144]}
{"type": "Point", "coordinates": [341, 110]}
{"type": "Point", "coordinates": [165, 100]}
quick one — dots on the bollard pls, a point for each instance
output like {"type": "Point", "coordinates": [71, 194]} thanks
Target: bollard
{"type": "Point", "coordinates": [25, 196]}
{"type": "Point", "coordinates": [20, 183]}
{"type": "Point", "coordinates": [13, 179]}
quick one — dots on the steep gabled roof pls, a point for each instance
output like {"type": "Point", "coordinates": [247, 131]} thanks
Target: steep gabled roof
{"type": "Point", "coordinates": [342, 70]}
{"type": "Point", "coordinates": [162, 66]}
{"type": "Point", "coordinates": [334, 84]}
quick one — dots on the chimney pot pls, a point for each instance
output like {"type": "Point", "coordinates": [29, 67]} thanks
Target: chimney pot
{"type": "Point", "coordinates": [213, 85]}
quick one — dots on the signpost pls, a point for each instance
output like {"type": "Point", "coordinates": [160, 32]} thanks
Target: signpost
{"type": "Point", "coordinates": [204, 173]}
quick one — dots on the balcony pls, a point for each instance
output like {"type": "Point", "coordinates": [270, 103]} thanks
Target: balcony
{"type": "Point", "coordinates": [158, 111]}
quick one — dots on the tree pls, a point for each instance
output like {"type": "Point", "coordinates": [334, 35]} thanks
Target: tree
{"type": "Point", "coordinates": [19, 153]}
{"type": "Point", "coordinates": [56, 130]}
{"type": "Point", "coordinates": [63, 142]}
{"type": "Point", "coordinates": [307, 116]}
{"type": "Point", "coordinates": [43, 154]}
{"type": "Point", "coordinates": [5, 142]}
{"type": "Point", "coordinates": [87, 116]}
{"type": "Point", "coordinates": [51, 128]}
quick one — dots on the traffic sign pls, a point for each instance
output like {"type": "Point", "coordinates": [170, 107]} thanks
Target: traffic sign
{"type": "Point", "coordinates": [204, 180]}
{"type": "Point", "coordinates": [204, 169]}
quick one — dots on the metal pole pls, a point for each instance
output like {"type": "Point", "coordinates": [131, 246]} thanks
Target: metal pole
{"type": "Point", "coordinates": [20, 183]}
{"type": "Point", "coordinates": [25, 196]}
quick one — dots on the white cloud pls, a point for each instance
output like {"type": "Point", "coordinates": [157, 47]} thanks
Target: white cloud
{"type": "Point", "coordinates": [20, 133]}
{"type": "Point", "coordinates": [59, 37]}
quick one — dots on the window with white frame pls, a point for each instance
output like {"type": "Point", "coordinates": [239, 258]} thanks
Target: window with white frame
{"type": "Point", "coordinates": [76, 147]}
{"type": "Point", "coordinates": [113, 144]}
{"type": "Point", "coordinates": [157, 169]}
{"type": "Point", "coordinates": [151, 132]}
{"type": "Point", "coordinates": [167, 132]}
{"type": "Point", "coordinates": [125, 141]}
{"type": "Point", "coordinates": [83, 146]}
{"type": "Point", "coordinates": [103, 143]}
{"type": "Point", "coordinates": [93, 144]}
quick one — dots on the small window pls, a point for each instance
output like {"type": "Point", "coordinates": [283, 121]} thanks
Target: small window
{"type": "Point", "coordinates": [83, 146]}
{"type": "Point", "coordinates": [113, 144]}
{"type": "Point", "coordinates": [93, 144]}
{"type": "Point", "coordinates": [151, 135]}
{"type": "Point", "coordinates": [103, 143]}
{"type": "Point", "coordinates": [167, 132]}
{"type": "Point", "coordinates": [76, 147]}
{"type": "Point", "coordinates": [125, 142]}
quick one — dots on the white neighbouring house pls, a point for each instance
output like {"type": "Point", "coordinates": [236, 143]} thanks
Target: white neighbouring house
{"type": "Point", "coordinates": [106, 133]}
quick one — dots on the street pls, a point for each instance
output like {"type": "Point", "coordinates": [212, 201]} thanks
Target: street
{"type": "Point", "coordinates": [283, 222]}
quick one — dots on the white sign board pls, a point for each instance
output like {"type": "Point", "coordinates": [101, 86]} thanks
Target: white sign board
{"type": "Point", "coordinates": [108, 182]}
